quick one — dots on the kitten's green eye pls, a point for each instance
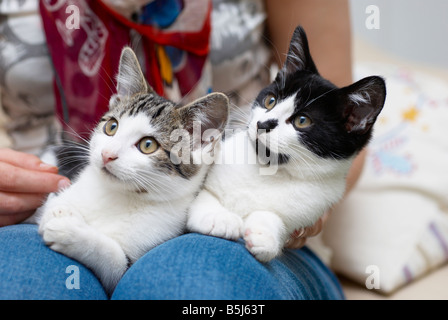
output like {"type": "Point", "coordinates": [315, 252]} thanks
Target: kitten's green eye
{"type": "Point", "coordinates": [301, 122]}
{"type": "Point", "coordinates": [110, 127]}
{"type": "Point", "coordinates": [270, 101]}
{"type": "Point", "coordinates": [147, 145]}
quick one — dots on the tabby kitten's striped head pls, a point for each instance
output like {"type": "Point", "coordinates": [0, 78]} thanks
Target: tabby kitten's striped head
{"type": "Point", "coordinates": [136, 143]}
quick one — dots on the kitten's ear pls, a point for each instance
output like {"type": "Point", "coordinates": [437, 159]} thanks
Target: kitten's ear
{"type": "Point", "coordinates": [299, 57]}
{"type": "Point", "coordinates": [363, 102]}
{"type": "Point", "coordinates": [208, 113]}
{"type": "Point", "coordinates": [130, 78]}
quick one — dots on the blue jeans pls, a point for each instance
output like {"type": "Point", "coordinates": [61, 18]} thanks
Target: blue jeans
{"type": "Point", "coordinates": [191, 266]}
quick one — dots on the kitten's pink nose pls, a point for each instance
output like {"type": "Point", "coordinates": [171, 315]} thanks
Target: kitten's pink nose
{"type": "Point", "coordinates": [108, 157]}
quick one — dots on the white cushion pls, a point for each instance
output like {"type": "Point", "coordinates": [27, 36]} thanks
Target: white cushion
{"type": "Point", "coordinates": [396, 218]}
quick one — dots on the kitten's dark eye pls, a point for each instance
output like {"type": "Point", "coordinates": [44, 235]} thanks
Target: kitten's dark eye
{"type": "Point", "coordinates": [110, 127]}
{"type": "Point", "coordinates": [147, 145]}
{"type": "Point", "coordinates": [302, 122]}
{"type": "Point", "coordinates": [270, 101]}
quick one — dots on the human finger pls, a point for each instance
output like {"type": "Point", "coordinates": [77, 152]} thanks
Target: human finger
{"type": "Point", "coordinates": [14, 203]}
{"type": "Point", "coordinates": [15, 179]}
{"type": "Point", "coordinates": [25, 161]}
{"type": "Point", "coordinates": [299, 236]}
{"type": "Point", "coordinates": [295, 243]}
{"type": "Point", "coordinates": [315, 229]}
{"type": "Point", "coordinates": [10, 219]}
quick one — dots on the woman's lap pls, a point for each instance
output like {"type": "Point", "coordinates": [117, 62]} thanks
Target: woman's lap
{"type": "Point", "coordinates": [31, 270]}
{"type": "Point", "coordinates": [195, 266]}
{"type": "Point", "coordinates": [192, 266]}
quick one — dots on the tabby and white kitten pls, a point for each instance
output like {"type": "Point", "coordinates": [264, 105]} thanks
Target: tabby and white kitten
{"type": "Point", "coordinates": [311, 131]}
{"type": "Point", "coordinates": [131, 196]}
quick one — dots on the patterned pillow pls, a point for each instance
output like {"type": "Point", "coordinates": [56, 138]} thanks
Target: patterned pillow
{"type": "Point", "coordinates": [393, 227]}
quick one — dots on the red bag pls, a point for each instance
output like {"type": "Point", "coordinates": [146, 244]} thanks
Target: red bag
{"type": "Point", "coordinates": [86, 60]}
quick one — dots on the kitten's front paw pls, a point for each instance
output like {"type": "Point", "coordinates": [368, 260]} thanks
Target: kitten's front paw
{"type": "Point", "coordinates": [60, 228]}
{"type": "Point", "coordinates": [264, 233]}
{"type": "Point", "coordinates": [57, 234]}
{"type": "Point", "coordinates": [220, 224]}
{"type": "Point", "coordinates": [62, 234]}
{"type": "Point", "coordinates": [262, 243]}
{"type": "Point", "coordinates": [56, 211]}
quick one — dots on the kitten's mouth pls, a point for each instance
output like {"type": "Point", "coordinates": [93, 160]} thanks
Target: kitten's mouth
{"type": "Point", "coordinates": [266, 156]}
{"type": "Point", "coordinates": [138, 190]}
{"type": "Point", "coordinates": [108, 173]}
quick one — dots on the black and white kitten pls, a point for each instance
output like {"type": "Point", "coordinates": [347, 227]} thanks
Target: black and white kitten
{"type": "Point", "coordinates": [131, 196]}
{"type": "Point", "coordinates": [307, 132]}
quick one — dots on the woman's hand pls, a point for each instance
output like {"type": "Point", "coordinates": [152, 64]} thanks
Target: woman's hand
{"type": "Point", "coordinates": [25, 182]}
{"type": "Point", "coordinates": [298, 238]}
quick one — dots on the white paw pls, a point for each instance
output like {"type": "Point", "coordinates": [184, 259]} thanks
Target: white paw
{"type": "Point", "coordinates": [60, 211]}
{"type": "Point", "coordinates": [262, 243]}
{"type": "Point", "coordinates": [61, 228]}
{"type": "Point", "coordinates": [218, 224]}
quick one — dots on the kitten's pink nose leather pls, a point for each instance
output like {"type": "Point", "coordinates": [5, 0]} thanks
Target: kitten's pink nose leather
{"type": "Point", "coordinates": [108, 157]}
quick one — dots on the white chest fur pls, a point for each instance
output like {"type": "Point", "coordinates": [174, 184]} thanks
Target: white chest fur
{"type": "Point", "coordinates": [288, 190]}
{"type": "Point", "coordinates": [106, 228]}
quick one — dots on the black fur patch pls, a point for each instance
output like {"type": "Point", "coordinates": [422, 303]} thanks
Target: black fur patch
{"type": "Point", "coordinates": [266, 156]}
{"type": "Point", "coordinates": [267, 125]}
{"type": "Point", "coordinates": [323, 103]}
